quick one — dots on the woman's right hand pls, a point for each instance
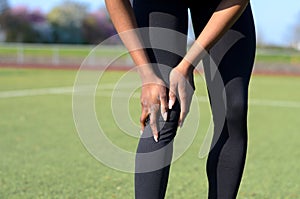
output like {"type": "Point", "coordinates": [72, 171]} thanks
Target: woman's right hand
{"type": "Point", "coordinates": [153, 98]}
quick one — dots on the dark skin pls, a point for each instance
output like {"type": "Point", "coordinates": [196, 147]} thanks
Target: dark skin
{"type": "Point", "coordinates": [153, 95]}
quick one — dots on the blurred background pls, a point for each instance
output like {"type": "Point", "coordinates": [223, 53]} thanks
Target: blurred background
{"type": "Point", "coordinates": [53, 27]}
{"type": "Point", "coordinates": [43, 43]}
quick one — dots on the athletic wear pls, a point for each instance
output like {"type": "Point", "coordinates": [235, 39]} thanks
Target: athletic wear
{"type": "Point", "coordinates": [226, 159]}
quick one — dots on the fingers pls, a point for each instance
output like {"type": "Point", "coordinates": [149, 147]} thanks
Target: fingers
{"type": "Point", "coordinates": [182, 116]}
{"type": "Point", "coordinates": [163, 105]}
{"type": "Point", "coordinates": [143, 118]}
{"type": "Point", "coordinates": [153, 120]}
{"type": "Point", "coordinates": [172, 94]}
{"type": "Point", "coordinates": [183, 107]}
{"type": "Point", "coordinates": [153, 98]}
{"type": "Point", "coordinates": [185, 92]}
{"type": "Point", "coordinates": [153, 111]}
{"type": "Point", "coordinates": [181, 87]}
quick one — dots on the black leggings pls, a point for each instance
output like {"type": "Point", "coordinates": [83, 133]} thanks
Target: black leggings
{"type": "Point", "coordinates": [227, 156]}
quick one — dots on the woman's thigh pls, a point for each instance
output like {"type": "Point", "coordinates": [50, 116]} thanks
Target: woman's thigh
{"type": "Point", "coordinates": [164, 26]}
{"type": "Point", "coordinates": [230, 62]}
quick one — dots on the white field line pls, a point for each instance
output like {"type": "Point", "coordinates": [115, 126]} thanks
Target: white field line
{"type": "Point", "coordinates": [47, 91]}
{"type": "Point", "coordinates": [35, 92]}
{"type": "Point", "coordinates": [106, 92]}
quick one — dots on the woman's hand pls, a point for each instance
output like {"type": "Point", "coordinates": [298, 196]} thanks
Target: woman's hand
{"type": "Point", "coordinates": [181, 86]}
{"type": "Point", "coordinates": [153, 98]}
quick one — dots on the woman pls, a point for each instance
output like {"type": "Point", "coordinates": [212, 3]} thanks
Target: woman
{"type": "Point", "coordinates": [212, 20]}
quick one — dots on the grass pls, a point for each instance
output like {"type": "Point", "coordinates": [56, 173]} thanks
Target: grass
{"type": "Point", "coordinates": [273, 54]}
{"type": "Point", "coordinates": [264, 54]}
{"type": "Point", "coordinates": [283, 59]}
{"type": "Point", "coordinates": [43, 157]}
{"type": "Point", "coordinates": [80, 51]}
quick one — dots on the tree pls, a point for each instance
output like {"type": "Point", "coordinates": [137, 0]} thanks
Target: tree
{"type": "Point", "coordinates": [66, 20]}
{"type": "Point", "coordinates": [17, 25]}
{"type": "Point", "coordinates": [97, 27]}
{"type": "Point", "coordinates": [69, 22]}
{"type": "Point", "coordinates": [3, 6]}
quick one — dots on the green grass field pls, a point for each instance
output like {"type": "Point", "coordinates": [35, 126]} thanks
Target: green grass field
{"type": "Point", "coordinates": [43, 157]}
{"type": "Point", "coordinates": [264, 54]}
{"type": "Point", "coordinates": [63, 51]}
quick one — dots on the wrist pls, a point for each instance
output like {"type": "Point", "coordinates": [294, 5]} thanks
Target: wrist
{"type": "Point", "coordinates": [145, 71]}
{"type": "Point", "coordinates": [186, 68]}
{"type": "Point", "coordinates": [147, 74]}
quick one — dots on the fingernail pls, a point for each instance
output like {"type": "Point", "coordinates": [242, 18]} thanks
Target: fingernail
{"type": "Point", "coordinates": [170, 104]}
{"type": "Point", "coordinates": [165, 116]}
{"type": "Point", "coordinates": [155, 138]}
{"type": "Point", "coordinates": [141, 132]}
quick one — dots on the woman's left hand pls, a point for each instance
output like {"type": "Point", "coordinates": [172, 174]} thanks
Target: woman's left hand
{"type": "Point", "coordinates": [182, 87]}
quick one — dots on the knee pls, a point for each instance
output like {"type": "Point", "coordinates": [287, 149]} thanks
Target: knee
{"type": "Point", "coordinates": [236, 100]}
{"type": "Point", "coordinates": [236, 110]}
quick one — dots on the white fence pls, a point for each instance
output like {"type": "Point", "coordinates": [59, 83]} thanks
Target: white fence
{"type": "Point", "coordinates": [50, 55]}
{"type": "Point", "coordinates": [60, 55]}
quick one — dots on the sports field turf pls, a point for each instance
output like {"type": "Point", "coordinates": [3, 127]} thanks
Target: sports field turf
{"type": "Point", "coordinates": [42, 156]}
{"type": "Point", "coordinates": [264, 54]}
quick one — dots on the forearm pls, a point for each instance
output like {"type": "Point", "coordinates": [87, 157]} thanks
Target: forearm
{"type": "Point", "coordinates": [226, 14]}
{"type": "Point", "coordinates": [124, 21]}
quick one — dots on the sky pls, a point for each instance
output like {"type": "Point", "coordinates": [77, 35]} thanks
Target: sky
{"type": "Point", "coordinates": [274, 19]}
